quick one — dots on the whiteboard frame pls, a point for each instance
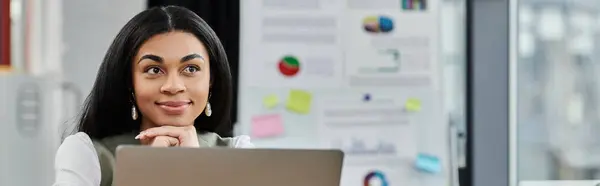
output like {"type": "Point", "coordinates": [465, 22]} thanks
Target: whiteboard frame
{"type": "Point", "coordinates": [513, 47]}
{"type": "Point", "coordinates": [488, 92]}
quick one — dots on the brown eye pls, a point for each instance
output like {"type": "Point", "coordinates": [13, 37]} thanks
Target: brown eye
{"type": "Point", "coordinates": [191, 69]}
{"type": "Point", "coordinates": [153, 70]}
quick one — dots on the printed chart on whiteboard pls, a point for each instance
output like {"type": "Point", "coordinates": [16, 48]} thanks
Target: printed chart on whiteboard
{"type": "Point", "coordinates": [361, 76]}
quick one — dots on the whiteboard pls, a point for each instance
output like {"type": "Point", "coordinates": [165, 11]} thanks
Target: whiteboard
{"type": "Point", "coordinates": [362, 76]}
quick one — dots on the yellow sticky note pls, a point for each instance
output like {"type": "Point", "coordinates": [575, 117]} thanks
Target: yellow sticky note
{"type": "Point", "coordinates": [413, 105]}
{"type": "Point", "coordinates": [271, 101]}
{"type": "Point", "coordinates": [299, 101]}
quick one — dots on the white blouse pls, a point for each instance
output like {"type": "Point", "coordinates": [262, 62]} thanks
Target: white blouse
{"type": "Point", "coordinates": [77, 163]}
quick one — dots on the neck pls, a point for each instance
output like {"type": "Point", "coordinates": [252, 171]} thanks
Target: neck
{"type": "Point", "coordinates": [146, 124]}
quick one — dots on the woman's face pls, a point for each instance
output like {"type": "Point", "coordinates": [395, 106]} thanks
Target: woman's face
{"type": "Point", "coordinates": [171, 79]}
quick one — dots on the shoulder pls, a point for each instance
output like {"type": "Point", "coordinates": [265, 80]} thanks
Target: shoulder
{"type": "Point", "coordinates": [242, 141]}
{"type": "Point", "coordinates": [76, 161]}
{"type": "Point", "coordinates": [210, 139]}
{"type": "Point", "coordinates": [79, 139]}
{"type": "Point", "coordinates": [77, 145]}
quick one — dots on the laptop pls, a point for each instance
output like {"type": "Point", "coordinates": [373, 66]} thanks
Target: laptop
{"type": "Point", "coordinates": [151, 166]}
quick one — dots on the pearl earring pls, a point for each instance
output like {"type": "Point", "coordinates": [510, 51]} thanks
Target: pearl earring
{"type": "Point", "coordinates": [134, 114]}
{"type": "Point", "coordinates": [208, 110]}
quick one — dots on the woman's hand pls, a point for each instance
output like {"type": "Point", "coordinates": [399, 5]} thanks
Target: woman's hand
{"type": "Point", "coordinates": [161, 141]}
{"type": "Point", "coordinates": [159, 136]}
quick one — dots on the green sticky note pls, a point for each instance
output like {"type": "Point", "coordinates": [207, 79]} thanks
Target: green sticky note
{"type": "Point", "coordinates": [413, 105]}
{"type": "Point", "coordinates": [299, 101]}
{"type": "Point", "coordinates": [271, 101]}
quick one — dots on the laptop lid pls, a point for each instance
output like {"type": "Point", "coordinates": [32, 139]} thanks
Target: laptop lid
{"type": "Point", "coordinates": [148, 166]}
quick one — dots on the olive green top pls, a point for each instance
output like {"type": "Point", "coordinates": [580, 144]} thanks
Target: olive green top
{"type": "Point", "coordinates": [105, 148]}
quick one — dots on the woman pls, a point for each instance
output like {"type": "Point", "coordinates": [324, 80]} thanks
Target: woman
{"type": "Point", "coordinates": [164, 82]}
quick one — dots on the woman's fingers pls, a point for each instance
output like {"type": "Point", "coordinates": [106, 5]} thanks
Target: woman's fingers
{"type": "Point", "coordinates": [186, 136]}
{"type": "Point", "coordinates": [174, 132]}
{"type": "Point", "coordinates": [164, 141]}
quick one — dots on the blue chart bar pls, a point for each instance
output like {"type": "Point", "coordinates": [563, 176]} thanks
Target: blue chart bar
{"type": "Point", "coordinates": [414, 4]}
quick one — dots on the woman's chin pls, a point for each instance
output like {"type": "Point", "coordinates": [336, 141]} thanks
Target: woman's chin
{"type": "Point", "coordinates": [176, 122]}
{"type": "Point", "coordinates": [174, 125]}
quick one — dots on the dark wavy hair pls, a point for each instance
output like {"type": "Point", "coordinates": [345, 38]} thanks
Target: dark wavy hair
{"type": "Point", "coordinates": [107, 110]}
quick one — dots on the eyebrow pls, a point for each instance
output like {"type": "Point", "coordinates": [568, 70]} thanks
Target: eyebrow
{"type": "Point", "coordinates": [160, 59]}
{"type": "Point", "coordinates": [192, 56]}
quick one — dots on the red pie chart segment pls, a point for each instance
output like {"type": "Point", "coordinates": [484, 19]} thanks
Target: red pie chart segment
{"type": "Point", "coordinates": [289, 66]}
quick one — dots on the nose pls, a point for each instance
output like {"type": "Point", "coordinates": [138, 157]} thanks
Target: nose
{"type": "Point", "coordinates": [173, 85]}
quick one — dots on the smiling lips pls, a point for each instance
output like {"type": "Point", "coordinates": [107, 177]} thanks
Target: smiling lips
{"type": "Point", "coordinates": [174, 107]}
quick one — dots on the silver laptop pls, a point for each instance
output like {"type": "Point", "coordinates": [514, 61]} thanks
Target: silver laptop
{"type": "Point", "coordinates": [147, 166]}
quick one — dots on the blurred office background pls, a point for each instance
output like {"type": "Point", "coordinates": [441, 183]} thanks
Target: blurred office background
{"type": "Point", "coordinates": [57, 45]}
{"type": "Point", "coordinates": [558, 89]}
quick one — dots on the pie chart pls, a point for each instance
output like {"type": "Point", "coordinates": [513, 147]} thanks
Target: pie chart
{"type": "Point", "coordinates": [378, 24]}
{"type": "Point", "coordinates": [375, 178]}
{"type": "Point", "coordinates": [289, 66]}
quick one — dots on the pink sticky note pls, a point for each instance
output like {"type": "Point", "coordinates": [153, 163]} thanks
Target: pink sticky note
{"type": "Point", "coordinates": [265, 126]}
